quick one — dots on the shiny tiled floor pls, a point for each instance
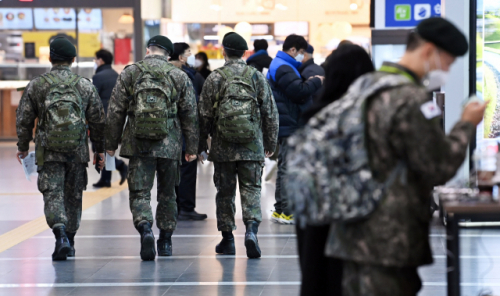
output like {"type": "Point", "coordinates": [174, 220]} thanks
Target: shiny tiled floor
{"type": "Point", "coordinates": [108, 262]}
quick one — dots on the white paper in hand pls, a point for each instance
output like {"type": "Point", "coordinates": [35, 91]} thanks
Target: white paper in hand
{"type": "Point", "coordinates": [110, 163]}
{"type": "Point", "coordinates": [29, 165]}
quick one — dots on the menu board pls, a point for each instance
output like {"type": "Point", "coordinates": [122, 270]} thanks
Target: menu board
{"type": "Point", "coordinates": [64, 19]}
{"type": "Point", "coordinates": [16, 19]}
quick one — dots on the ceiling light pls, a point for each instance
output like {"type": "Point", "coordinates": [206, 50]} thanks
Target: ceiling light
{"type": "Point", "coordinates": [281, 6]}
{"type": "Point", "coordinates": [126, 18]}
{"type": "Point", "coordinates": [216, 7]}
{"type": "Point", "coordinates": [354, 6]}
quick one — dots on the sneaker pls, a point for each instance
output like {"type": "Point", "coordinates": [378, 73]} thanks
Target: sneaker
{"type": "Point", "coordinates": [284, 219]}
{"type": "Point", "coordinates": [275, 217]}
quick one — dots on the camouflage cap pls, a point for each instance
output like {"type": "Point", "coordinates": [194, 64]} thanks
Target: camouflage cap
{"type": "Point", "coordinates": [162, 42]}
{"type": "Point", "coordinates": [62, 48]}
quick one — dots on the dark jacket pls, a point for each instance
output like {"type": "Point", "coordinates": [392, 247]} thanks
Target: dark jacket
{"type": "Point", "coordinates": [104, 80]}
{"type": "Point", "coordinates": [204, 72]}
{"type": "Point", "coordinates": [198, 81]}
{"type": "Point", "coordinates": [196, 78]}
{"type": "Point", "coordinates": [291, 93]}
{"type": "Point", "coordinates": [260, 60]}
{"type": "Point", "coordinates": [310, 69]}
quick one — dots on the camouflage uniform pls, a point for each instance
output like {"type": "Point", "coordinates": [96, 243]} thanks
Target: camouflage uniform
{"type": "Point", "coordinates": [237, 161]}
{"type": "Point", "coordinates": [395, 237]}
{"type": "Point", "coordinates": [63, 176]}
{"type": "Point", "coordinates": [146, 156]}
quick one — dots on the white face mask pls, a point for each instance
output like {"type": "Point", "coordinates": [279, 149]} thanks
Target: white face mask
{"type": "Point", "coordinates": [191, 60]}
{"type": "Point", "coordinates": [300, 57]}
{"type": "Point", "coordinates": [95, 67]}
{"type": "Point", "coordinates": [197, 63]}
{"type": "Point", "coordinates": [435, 79]}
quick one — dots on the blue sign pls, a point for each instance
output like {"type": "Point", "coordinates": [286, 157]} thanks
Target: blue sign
{"type": "Point", "coordinates": [408, 13]}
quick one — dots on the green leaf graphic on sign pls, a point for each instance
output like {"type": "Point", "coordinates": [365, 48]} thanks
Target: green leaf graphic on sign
{"type": "Point", "coordinates": [402, 12]}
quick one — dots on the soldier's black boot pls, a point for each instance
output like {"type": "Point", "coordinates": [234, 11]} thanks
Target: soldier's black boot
{"type": "Point", "coordinates": [148, 252]}
{"type": "Point", "coordinates": [164, 243]}
{"type": "Point", "coordinates": [62, 243]}
{"type": "Point", "coordinates": [71, 238]}
{"type": "Point", "coordinates": [251, 241]}
{"type": "Point", "coordinates": [226, 245]}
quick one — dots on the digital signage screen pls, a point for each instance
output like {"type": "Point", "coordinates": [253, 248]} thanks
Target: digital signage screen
{"type": "Point", "coordinates": [488, 69]}
{"type": "Point", "coordinates": [16, 19]}
{"type": "Point", "coordinates": [64, 19]}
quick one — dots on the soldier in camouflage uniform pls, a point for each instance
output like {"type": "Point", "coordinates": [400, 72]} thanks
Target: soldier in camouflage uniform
{"type": "Point", "coordinates": [382, 253]}
{"type": "Point", "coordinates": [62, 176]}
{"type": "Point", "coordinates": [237, 161]}
{"type": "Point", "coordinates": [150, 156]}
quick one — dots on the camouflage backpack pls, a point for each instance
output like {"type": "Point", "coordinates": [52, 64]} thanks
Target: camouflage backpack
{"type": "Point", "coordinates": [62, 122]}
{"type": "Point", "coordinates": [153, 107]}
{"type": "Point", "coordinates": [329, 178]}
{"type": "Point", "coordinates": [237, 112]}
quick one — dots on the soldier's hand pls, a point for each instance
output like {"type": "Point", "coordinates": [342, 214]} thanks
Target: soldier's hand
{"type": "Point", "coordinates": [474, 112]}
{"type": "Point", "coordinates": [190, 157]}
{"type": "Point", "coordinates": [269, 154]}
{"type": "Point", "coordinates": [21, 154]}
{"type": "Point", "coordinates": [102, 161]}
{"type": "Point", "coordinates": [110, 153]}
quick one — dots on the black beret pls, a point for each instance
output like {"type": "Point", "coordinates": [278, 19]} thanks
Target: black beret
{"type": "Point", "coordinates": [162, 42]}
{"type": "Point", "coordinates": [234, 41]}
{"type": "Point", "coordinates": [61, 47]}
{"type": "Point", "coordinates": [444, 35]}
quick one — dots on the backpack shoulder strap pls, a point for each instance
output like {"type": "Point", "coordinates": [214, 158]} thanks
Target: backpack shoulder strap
{"type": "Point", "coordinates": [167, 68]}
{"type": "Point", "coordinates": [51, 78]}
{"type": "Point", "coordinates": [73, 81]}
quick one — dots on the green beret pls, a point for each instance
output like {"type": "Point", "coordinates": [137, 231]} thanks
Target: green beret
{"type": "Point", "coordinates": [162, 42]}
{"type": "Point", "coordinates": [234, 41]}
{"type": "Point", "coordinates": [444, 35]}
{"type": "Point", "coordinates": [60, 47]}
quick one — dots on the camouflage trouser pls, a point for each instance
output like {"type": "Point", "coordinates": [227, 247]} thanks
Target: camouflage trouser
{"type": "Point", "coordinates": [249, 175]}
{"type": "Point", "coordinates": [62, 185]}
{"type": "Point", "coordinates": [371, 280]}
{"type": "Point", "coordinates": [141, 175]}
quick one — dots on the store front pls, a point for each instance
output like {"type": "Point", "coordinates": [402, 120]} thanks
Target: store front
{"type": "Point", "coordinates": [27, 28]}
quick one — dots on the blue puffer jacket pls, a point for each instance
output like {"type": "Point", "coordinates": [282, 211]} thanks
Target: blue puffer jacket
{"type": "Point", "coordinates": [291, 93]}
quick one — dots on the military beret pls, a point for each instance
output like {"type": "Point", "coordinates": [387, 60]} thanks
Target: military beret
{"type": "Point", "coordinates": [60, 47]}
{"type": "Point", "coordinates": [234, 41]}
{"type": "Point", "coordinates": [162, 42]}
{"type": "Point", "coordinates": [444, 35]}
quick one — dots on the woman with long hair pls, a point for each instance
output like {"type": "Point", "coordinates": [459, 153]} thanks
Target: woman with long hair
{"type": "Point", "coordinates": [322, 275]}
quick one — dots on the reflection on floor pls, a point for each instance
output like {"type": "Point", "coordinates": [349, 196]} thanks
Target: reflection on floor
{"type": "Point", "coordinates": [108, 263]}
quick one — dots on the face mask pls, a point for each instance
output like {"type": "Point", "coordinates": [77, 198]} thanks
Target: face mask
{"type": "Point", "coordinates": [95, 66]}
{"type": "Point", "coordinates": [435, 79]}
{"type": "Point", "coordinates": [197, 63]}
{"type": "Point", "coordinates": [300, 57]}
{"type": "Point", "coordinates": [191, 60]}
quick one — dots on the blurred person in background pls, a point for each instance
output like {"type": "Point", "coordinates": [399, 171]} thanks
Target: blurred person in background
{"type": "Point", "coordinates": [260, 59]}
{"type": "Point", "coordinates": [201, 64]}
{"type": "Point", "coordinates": [310, 69]}
{"type": "Point", "coordinates": [183, 58]}
{"type": "Point", "coordinates": [322, 275]}
{"type": "Point", "coordinates": [343, 42]}
{"type": "Point", "coordinates": [104, 81]}
{"type": "Point", "coordinates": [293, 96]}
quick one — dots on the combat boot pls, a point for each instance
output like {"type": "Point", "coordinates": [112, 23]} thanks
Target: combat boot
{"type": "Point", "coordinates": [164, 243]}
{"type": "Point", "coordinates": [148, 252]}
{"type": "Point", "coordinates": [251, 241]}
{"type": "Point", "coordinates": [63, 247]}
{"type": "Point", "coordinates": [226, 245]}
{"type": "Point", "coordinates": [71, 238]}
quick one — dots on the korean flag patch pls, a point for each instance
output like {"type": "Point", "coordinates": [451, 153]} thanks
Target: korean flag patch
{"type": "Point", "coordinates": [430, 110]}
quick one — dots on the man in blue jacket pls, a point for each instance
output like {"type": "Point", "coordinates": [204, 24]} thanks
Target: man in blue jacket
{"type": "Point", "coordinates": [292, 96]}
